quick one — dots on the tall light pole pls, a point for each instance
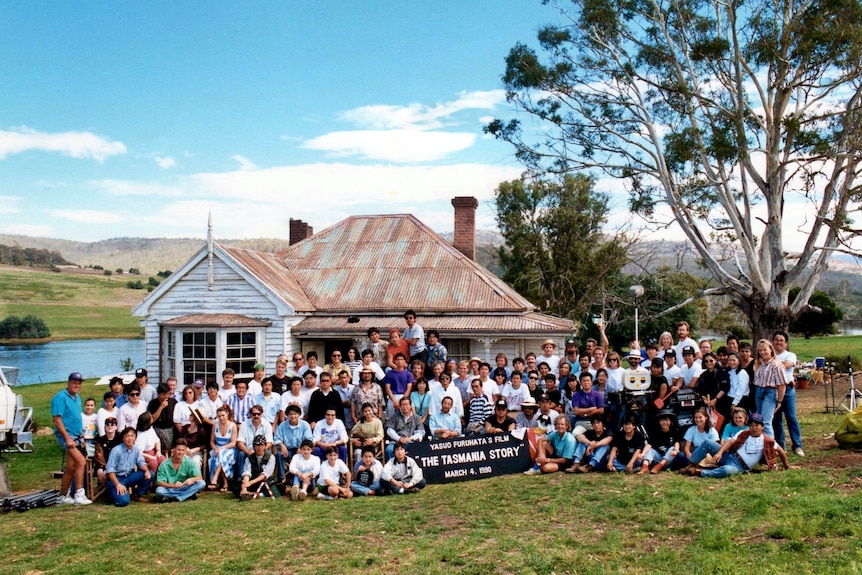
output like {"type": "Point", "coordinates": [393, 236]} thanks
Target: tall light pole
{"type": "Point", "coordinates": [636, 291]}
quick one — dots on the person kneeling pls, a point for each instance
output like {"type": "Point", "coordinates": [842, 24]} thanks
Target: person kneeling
{"type": "Point", "coordinates": [401, 474]}
{"type": "Point", "coordinates": [628, 449]}
{"type": "Point", "coordinates": [258, 471]}
{"type": "Point", "coordinates": [555, 451]}
{"type": "Point", "coordinates": [128, 475]}
{"type": "Point", "coordinates": [178, 478]}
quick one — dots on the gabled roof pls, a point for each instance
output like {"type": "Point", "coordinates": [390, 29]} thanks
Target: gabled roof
{"type": "Point", "coordinates": [393, 262]}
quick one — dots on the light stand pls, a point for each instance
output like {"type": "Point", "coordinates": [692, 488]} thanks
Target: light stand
{"type": "Point", "coordinates": [636, 291]}
{"type": "Point", "coordinates": [852, 397]}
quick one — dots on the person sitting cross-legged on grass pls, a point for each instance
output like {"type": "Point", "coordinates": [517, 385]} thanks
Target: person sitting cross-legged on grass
{"type": "Point", "coordinates": [334, 480]}
{"type": "Point", "coordinates": [366, 475]}
{"type": "Point", "coordinates": [554, 451]}
{"type": "Point", "coordinates": [401, 474]}
{"type": "Point", "coordinates": [178, 478]}
{"type": "Point", "coordinates": [592, 446]}
{"type": "Point", "coordinates": [664, 442]}
{"type": "Point", "coordinates": [628, 449]}
{"type": "Point", "coordinates": [742, 453]}
{"type": "Point", "coordinates": [305, 468]}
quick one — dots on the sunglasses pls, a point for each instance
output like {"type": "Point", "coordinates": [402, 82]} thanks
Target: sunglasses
{"type": "Point", "coordinates": [110, 423]}
{"type": "Point", "coordinates": [134, 395]}
{"type": "Point", "coordinates": [256, 414]}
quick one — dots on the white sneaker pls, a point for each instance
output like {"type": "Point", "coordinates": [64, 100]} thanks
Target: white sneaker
{"type": "Point", "coordinates": [81, 498]}
{"type": "Point", "coordinates": [798, 451]}
{"type": "Point", "coordinates": [65, 500]}
{"type": "Point", "coordinates": [324, 496]}
{"type": "Point", "coordinates": [533, 471]}
{"type": "Point", "coordinates": [294, 493]}
{"type": "Point", "coordinates": [302, 494]}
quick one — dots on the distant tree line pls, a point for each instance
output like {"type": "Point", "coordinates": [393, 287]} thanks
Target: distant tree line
{"type": "Point", "coordinates": [27, 327]}
{"type": "Point", "coordinates": [35, 257]}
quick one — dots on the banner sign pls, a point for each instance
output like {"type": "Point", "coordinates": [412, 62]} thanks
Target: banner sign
{"type": "Point", "coordinates": [476, 457]}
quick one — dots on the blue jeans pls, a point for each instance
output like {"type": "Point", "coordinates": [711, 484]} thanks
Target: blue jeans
{"type": "Point", "coordinates": [730, 464]}
{"type": "Point", "coordinates": [133, 482]}
{"type": "Point", "coordinates": [788, 409]}
{"type": "Point", "coordinates": [766, 399]}
{"type": "Point", "coordinates": [599, 454]}
{"type": "Point", "coordinates": [321, 453]}
{"type": "Point", "coordinates": [704, 449]}
{"type": "Point", "coordinates": [360, 489]}
{"type": "Point", "coordinates": [620, 466]}
{"type": "Point", "coordinates": [181, 493]}
{"type": "Point", "coordinates": [654, 456]}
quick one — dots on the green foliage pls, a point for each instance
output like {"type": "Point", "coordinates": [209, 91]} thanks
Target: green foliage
{"type": "Point", "coordinates": [134, 284]}
{"type": "Point", "coordinates": [127, 364]}
{"type": "Point", "coordinates": [119, 271]}
{"type": "Point", "coordinates": [661, 291]}
{"type": "Point", "coordinates": [820, 318]}
{"type": "Point", "coordinates": [555, 253]}
{"type": "Point", "coordinates": [164, 274]}
{"type": "Point", "coordinates": [134, 271]}
{"type": "Point", "coordinates": [35, 257]}
{"type": "Point", "coordinates": [107, 272]}
{"type": "Point", "coordinates": [153, 281]}
{"type": "Point", "coordinates": [27, 327]}
{"type": "Point", "coordinates": [670, 97]}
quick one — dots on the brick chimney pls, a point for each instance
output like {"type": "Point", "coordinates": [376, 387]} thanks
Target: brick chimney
{"type": "Point", "coordinates": [299, 231]}
{"type": "Point", "coordinates": [464, 238]}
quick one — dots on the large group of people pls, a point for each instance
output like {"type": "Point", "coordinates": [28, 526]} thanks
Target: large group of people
{"type": "Point", "coordinates": [345, 428]}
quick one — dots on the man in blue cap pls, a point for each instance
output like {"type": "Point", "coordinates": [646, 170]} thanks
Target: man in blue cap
{"type": "Point", "coordinates": [68, 426]}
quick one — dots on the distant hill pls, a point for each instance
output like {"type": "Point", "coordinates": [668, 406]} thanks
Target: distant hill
{"type": "Point", "coordinates": [843, 281]}
{"type": "Point", "coordinates": [150, 255]}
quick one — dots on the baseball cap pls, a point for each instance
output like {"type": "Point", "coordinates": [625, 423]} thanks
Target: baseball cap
{"type": "Point", "coordinates": [141, 372]}
{"type": "Point", "coordinates": [76, 376]}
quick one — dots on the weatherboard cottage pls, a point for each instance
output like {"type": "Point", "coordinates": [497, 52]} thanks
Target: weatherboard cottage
{"type": "Point", "coordinates": [233, 307]}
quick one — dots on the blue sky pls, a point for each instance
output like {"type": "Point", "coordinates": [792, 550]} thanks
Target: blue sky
{"type": "Point", "coordinates": [136, 119]}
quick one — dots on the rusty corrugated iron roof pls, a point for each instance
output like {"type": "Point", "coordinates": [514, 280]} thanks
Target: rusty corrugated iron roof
{"type": "Point", "coordinates": [473, 323]}
{"type": "Point", "coordinates": [270, 270]}
{"type": "Point", "coordinates": [215, 320]}
{"type": "Point", "coordinates": [393, 261]}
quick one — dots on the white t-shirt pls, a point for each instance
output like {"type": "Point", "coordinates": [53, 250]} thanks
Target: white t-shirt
{"type": "Point", "coordinates": [787, 355]}
{"type": "Point", "coordinates": [553, 362]}
{"type": "Point", "coordinates": [332, 473]}
{"type": "Point", "coordinates": [751, 451]}
{"type": "Point", "coordinates": [514, 397]}
{"type": "Point", "coordinates": [689, 373]}
{"type": "Point", "coordinates": [684, 343]}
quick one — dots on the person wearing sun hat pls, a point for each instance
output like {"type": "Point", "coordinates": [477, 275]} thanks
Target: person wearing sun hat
{"type": "Point", "coordinates": [553, 361]}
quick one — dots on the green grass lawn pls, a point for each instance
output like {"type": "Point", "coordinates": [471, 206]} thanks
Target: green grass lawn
{"type": "Point", "coordinates": [73, 306]}
{"type": "Point", "coordinates": [806, 520]}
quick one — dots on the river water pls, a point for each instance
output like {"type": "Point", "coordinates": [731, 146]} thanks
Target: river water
{"type": "Point", "coordinates": [54, 361]}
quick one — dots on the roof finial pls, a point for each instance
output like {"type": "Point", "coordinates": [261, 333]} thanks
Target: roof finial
{"type": "Point", "coordinates": [210, 278]}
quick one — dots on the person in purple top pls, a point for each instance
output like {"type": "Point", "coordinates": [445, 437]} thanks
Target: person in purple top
{"type": "Point", "coordinates": [398, 382]}
{"type": "Point", "coordinates": [586, 403]}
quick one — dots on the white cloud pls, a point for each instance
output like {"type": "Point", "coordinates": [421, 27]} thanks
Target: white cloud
{"type": "Point", "coordinates": [401, 146]}
{"type": "Point", "coordinates": [165, 162]}
{"type": "Point", "coordinates": [419, 116]}
{"type": "Point", "coordinates": [80, 145]}
{"type": "Point", "coordinates": [88, 216]}
{"type": "Point", "coordinates": [244, 163]}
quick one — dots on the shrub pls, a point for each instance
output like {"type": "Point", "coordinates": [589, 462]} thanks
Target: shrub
{"type": "Point", "coordinates": [27, 327]}
{"type": "Point", "coordinates": [134, 284]}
